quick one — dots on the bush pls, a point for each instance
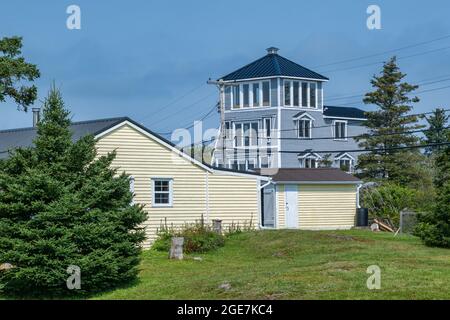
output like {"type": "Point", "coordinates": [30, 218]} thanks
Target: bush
{"type": "Point", "coordinates": [387, 200]}
{"type": "Point", "coordinates": [198, 237]}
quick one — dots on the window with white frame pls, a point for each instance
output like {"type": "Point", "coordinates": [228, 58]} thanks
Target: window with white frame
{"type": "Point", "coordinates": [340, 130]}
{"type": "Point", "coordinates": [305, 94]}
{"type": "Point", "coordinates": [267, 125]}
{"type": "Point", "coordinates": [312, 95]}
{"type": "Point", "coordinates": [304, 128]}
{"type": "Point", "coordinates": [309, 161]}
{"type": "Point", "coordinates": [287, 93]}
{"type": "Point", "coordinates": [266, 93]}
{"type": "Point", "coordinates": [246, 95]}
{"type": "Point", "coordinates": [296, 93]}
{"type": "Point", "coordinates": [256, 98]}
{"type": "Point", "coordinates": [162, 192]}
{"type": "Point", "coordinates": [246, 134]}
{"type": "Point", "coordinates": [345, 162]}
{"type": "Point", "coordinates": [236, 97]}
{"type": "Point", "coordinates": [345, 165]}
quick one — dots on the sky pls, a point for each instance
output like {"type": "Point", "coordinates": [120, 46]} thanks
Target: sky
{"type": "Point", "coordinates": [150, 60]}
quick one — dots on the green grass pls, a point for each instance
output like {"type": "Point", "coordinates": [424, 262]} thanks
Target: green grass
{"type": "Point", "coordinates": [290, 264]}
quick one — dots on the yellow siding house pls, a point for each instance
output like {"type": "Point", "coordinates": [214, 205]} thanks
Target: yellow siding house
{"type": "Point", "coordinates": [175, 188]}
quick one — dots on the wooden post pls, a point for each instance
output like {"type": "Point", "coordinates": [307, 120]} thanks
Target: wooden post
{"type": "Point", "coordinates": [176, 249]}
{"type": "Point", "coordinates": [217, 226]}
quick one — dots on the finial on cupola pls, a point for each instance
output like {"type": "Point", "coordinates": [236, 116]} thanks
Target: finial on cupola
{"type": "Point", "coordinates": [272, 50]}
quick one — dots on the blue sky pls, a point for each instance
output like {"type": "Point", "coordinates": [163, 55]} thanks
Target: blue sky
{"type": "Point", "coordinates": [150, 60]}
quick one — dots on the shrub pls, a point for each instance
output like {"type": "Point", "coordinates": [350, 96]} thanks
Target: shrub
{"type": "Point", "coordinates": [387, 200]}
{"type": "Point", "coordinates": [198, 237]}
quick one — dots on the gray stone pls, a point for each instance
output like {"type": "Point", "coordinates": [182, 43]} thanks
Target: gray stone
{"type": "Point", "coordinates": [176, 249]}
{"type": "Point", "coordinates": [225, 286]}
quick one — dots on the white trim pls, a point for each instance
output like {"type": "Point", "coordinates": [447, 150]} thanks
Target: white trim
{"type": "Point", "coordinates": [277, 206]}
{"type": "Point", "coordinates": [170, 192]}
{"type": "Point", "coordinates": [333, 128]}
{"type": "Point", "coordinates": [305, 115]}
{"type": "Point", "coordinates": [132, 188]}
{"type": "Point", "coordinates": [274, 77]}
{"type": "Point", "coordinates": [344, 118]}
{"type": "Point", "coordinates": [345, 155]}
{"type": "Point", "coordinates": [317, 182]}
{"type": "Point", "coordinates": [157, 139]}
{"type": "Point", "coordinates": [207, 196]}
{"type": "Point", "coordinates": [317, 156]}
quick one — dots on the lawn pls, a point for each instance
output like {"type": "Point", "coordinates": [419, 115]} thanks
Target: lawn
{"type": "Point", "coordinates": [289, 264]}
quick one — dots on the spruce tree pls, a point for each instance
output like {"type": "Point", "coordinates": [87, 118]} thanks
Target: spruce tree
{"type": "Point", "coordinates": [389, 130]}
{"type": "Point", "coordinates": [437, 129]}
{"type": "Point", "coordinates": [60, 205]}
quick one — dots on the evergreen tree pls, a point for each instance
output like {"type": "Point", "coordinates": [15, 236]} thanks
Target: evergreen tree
{"type": "Point", "coordinates": [434, 228]}
{"type": "Point", "coordinates": [389, 128]}
{"type": "Point", "coordinates": [437, 129]}
{"type": "Point", "coordinates": [14, 70]}
{"type": "Point", "coordinates": [62, 205]}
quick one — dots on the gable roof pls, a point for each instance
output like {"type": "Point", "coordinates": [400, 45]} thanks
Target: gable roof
{"type": "Point", "coordinates": [343, 112]}
{"type": "Point", "coordinates": [23, 137]}
{"type": "Point", "coordinates": [313, 176]}
{"type": "Point", "coordinates": [272, 64]}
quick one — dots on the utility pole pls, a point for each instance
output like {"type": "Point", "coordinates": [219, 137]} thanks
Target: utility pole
{"type": "Point", "coordinates": [221, 86]}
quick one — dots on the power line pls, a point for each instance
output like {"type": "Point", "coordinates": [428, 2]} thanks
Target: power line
{"type": "Point", "coordinates": [172, 102]}
{"type": "Point", "coordinates": [384, 52]}
{"type": "Point", "coordinates": [381, 62]}
{"type": "Point", "coordinates": [372, 150]}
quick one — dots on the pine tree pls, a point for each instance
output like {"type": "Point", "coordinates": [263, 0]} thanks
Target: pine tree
{"type": "Point", "coordinates": [389, 128]}
{"type": "Point", "coordinates": [62, 205]}
{"type": "Point", "coordinates": [437, 129]}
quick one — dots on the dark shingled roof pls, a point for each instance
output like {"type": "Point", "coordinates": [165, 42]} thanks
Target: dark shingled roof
{"type": "Point", "coordinates": [271, 65]}
{"type": "Point", "coordinates": [23, 137]}
{"type": "Point", "coordinates": [343, 112]}
{"type": "Point", "coordinates": [320, 175]}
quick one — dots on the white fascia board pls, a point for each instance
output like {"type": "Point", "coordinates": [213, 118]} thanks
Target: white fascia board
{"type": "Point", "coordinates": [274, 77]}
{"type": "Point", "coordinates": [344, 118]}
{"type": "Point", "coordinates": [157, 139]}
{"type": "Point", "coordinates": [319, 182]}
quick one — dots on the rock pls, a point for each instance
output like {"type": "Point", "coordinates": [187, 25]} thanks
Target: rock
{"type": "Point", "coordinates": [374, 227]}
{"type": "Point", "coordinates": [198, 258]}
{"type": "Point", "coordinates": [225, 286]}
{"type": "Point", "coordinates": [6, 266]}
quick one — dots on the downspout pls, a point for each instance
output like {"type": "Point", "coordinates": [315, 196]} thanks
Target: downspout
{"type": "Point", "coordinates": [357, 195]}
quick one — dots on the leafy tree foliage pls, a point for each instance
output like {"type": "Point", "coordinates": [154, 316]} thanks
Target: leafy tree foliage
{"type": "Point", "coordinates": [389, 130]}
{"type": "Point", "coordinates": [14, 70]}
{"type": "Point", "coordinates": [434, 228]}
{"type": "Point", "coordinates": [61, 204]}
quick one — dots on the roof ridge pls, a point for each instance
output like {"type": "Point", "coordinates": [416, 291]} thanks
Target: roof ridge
{"type": "Point", "coordinates": [71, 124]}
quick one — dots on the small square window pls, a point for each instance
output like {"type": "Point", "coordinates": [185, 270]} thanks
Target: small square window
{"type": "Point", "coordinates": [162, 192]}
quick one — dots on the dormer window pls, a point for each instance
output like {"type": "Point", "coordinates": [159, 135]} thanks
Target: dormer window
{"type": "Point", "coordinates": [304, 125]}
{"type": "Point", "coordinates": [309, 160]}
{"type": "Point", "coordinates": [345, 162]}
